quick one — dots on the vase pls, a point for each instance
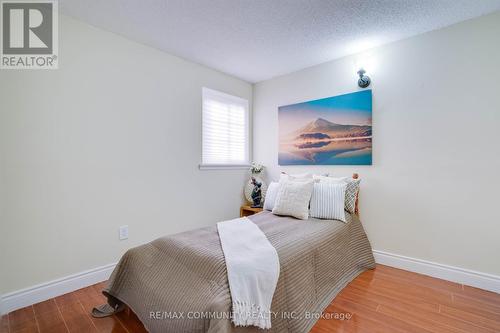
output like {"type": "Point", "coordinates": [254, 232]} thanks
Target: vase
{"type": "Point", "coordinates": [249, 188]}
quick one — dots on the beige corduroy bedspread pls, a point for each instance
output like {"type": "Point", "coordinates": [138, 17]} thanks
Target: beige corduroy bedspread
{"type": "Point", "coordinates": [179, 284]}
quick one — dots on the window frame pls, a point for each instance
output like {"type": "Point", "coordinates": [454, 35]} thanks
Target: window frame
{"type": "Point", "coordinates": [239, 100]}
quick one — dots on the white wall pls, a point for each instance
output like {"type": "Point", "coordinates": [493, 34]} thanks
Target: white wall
{"type": "Point", "coordinates": [111, 138]}
{"type": "Point", "coordinates": [432, 192]}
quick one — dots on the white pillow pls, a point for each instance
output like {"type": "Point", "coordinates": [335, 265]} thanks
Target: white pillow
{"type": "Point", "coordinates": [330, 179]}
{"type": "Point", "coordinates": [328, 200]}
{"type": "Point", "coordinates": [297, 177]}
{"type": "Point", "coordinates": [293, 199]}
{"type": "Point", "coordinates": [271, 193]}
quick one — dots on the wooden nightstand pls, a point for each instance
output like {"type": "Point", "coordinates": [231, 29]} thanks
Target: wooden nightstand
{"type": "Point", "coordinates": [247, 210]}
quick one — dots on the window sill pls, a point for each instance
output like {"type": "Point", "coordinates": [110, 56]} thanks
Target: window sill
{"type": "Point", "coordinates": [224, 166]}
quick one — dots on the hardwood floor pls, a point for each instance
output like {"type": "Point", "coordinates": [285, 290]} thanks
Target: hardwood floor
{"type": "Point", "coordinates": [382, 300]}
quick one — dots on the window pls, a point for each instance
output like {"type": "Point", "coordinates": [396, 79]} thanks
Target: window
{"type": "Point", "coordinates": [225, 131]}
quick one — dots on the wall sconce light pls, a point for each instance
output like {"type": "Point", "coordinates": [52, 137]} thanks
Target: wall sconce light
{"type": "Point", "coordinates": [364, 81]}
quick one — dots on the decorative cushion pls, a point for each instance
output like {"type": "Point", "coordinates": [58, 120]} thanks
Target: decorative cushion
{"type": "Point", "coordinates": [351, 193]}
{"type": "Point", "coordinates": [293, 199]}
{"type": "Point", "coordinates": [327, 201]}
{"type": "Point", "coordinates": [352, 189]}
{"type": "Point", "coordinates": [296, 177]}
{"type": "Point", "coordinates": [272, 192]}
{"type": "Point", "coordinates": [324, 178]}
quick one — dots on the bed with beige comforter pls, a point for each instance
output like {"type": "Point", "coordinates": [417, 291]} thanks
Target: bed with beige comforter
{"type": "Point", "coordinates": [179, 283]}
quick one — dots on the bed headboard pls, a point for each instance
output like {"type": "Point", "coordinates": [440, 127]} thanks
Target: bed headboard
{"type": "Point", "coordinates": [356, 207]}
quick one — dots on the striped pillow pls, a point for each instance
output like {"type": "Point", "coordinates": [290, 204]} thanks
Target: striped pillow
{"type": "Point", "coordinates": [352, 189]}
{"type": "Point", "coordinates": [327, 201]}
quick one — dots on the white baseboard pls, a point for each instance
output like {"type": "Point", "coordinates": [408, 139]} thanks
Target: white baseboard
{"type": "Point", "coordinates": [455, 274]}
{"type": "Point", "coordinates": [42, 292]}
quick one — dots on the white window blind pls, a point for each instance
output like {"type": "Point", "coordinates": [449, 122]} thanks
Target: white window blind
{"type": "Point", "coordinates": [225, 130]}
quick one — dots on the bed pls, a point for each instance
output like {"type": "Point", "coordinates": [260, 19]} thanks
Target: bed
{"type": "Point", "coordinates": [179, 283]}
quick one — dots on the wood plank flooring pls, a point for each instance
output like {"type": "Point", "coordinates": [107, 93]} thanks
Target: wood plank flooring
{"type": "Point", "coordinates": [383, 300]}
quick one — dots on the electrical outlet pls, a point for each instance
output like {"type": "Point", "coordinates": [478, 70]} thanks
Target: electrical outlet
{"type": "Point", "coordinates": [124, 232]}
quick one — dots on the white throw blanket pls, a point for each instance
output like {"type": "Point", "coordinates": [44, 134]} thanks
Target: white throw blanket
{"type": "Point", "coordinates": [252, 270]}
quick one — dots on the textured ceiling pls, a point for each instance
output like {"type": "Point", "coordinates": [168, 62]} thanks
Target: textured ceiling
{"type": "Point", "coordinates": [259, 39]}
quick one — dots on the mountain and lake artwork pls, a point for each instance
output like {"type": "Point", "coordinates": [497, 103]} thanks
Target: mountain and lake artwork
{"type": "Point", "coordinates": [330, 131]}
